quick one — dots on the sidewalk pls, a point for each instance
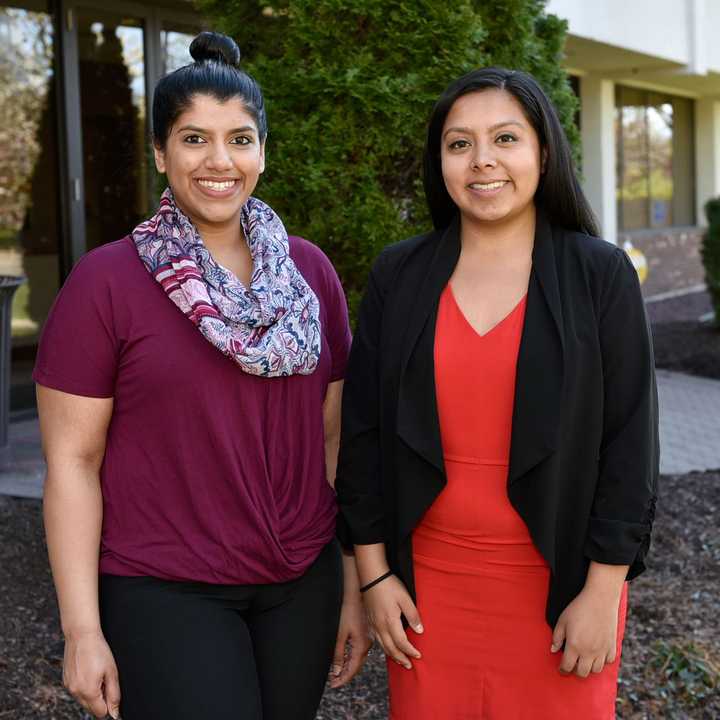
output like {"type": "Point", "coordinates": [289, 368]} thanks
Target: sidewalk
{"type": "Point", "coordinates": [689, 422]}
{"type": "Point", "coordinates": [689, 435]}
{"type": "Point", "coordinates": [22, 468]}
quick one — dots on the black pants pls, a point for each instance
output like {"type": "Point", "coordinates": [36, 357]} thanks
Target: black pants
{"type": "Point", "coordinates": [193, 651]}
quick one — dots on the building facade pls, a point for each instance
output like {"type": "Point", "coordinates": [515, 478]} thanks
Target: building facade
{"type": "Point", "coordinates": [76, 171]}
{"type": "Point", "coordinates": [648, 76]}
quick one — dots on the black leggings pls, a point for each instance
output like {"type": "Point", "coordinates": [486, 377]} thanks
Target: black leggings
{"type": "Point", "coordinates": [194, 651]}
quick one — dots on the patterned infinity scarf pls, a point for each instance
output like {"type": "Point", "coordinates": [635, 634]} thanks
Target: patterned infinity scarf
{"type": "Point", "coordinates": [271, 328]}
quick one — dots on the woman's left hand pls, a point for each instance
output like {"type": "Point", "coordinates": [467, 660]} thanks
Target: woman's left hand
{"type": "Point", "coordinates": [588, 627]}
{"type": "Point", "coordinates": [353, 636]}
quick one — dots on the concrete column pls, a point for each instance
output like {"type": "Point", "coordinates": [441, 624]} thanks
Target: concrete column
{"type": "Point", "coordinates": [697, 37]}
{"type": "Point", "coordinates": [707, 153]}
{"type": "Point", "coordinates": [597, 122]}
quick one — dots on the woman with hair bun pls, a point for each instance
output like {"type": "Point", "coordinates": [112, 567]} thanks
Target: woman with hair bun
{"type": "Point", "coordinates": [499, 454]}
{"type": "Point", "coordinates": [189, 381]}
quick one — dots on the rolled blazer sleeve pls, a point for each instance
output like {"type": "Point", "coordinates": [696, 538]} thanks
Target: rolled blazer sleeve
{"type": "Point", "coordinates": [626, 492]}
{"type": "Point", "coordinates": [358, 482]}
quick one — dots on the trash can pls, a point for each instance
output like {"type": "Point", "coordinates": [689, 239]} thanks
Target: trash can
{"type": "Point", "coordinates": [8, 285]}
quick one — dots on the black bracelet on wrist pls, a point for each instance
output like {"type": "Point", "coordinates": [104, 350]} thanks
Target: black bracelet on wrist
{"type": "Point", "coordinates": [372, 584]}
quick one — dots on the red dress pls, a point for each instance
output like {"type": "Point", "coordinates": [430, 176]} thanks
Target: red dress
{"type": "Point", "coordinates": [481, 583]}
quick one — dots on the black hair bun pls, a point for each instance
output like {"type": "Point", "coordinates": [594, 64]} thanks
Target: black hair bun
{"type": "Point", "coordinates": [215, 46]}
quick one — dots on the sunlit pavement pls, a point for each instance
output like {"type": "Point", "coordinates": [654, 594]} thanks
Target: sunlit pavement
{"type": "Point", "coordinates": [689, 422]}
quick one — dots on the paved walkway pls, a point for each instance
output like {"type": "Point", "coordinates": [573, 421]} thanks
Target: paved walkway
{"type": "Point", "coordinates": [689, 435]}
{"type": "Point", "coordinates": [689, 422]}
{"type": "Point", "coordinates": [22, 468]}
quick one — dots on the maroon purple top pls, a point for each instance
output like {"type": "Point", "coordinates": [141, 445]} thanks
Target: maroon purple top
{"type": "Point", "coordinates": [209, 474]}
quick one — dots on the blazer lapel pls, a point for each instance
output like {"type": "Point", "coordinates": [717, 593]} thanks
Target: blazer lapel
{"type": "Point", "coordinates": [539, 380]}
{"type": "Point", "coordinates": [417, 421]}
{"type": "Point", "coordinates": [540, 367]}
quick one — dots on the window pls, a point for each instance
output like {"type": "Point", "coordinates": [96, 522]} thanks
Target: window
{"type": "Point", "coordinates": [655, 172]}
{"type": "Point", "coordinates": [175, 44]}
{"type": "Point", "coordinates": [112, 108]}
{"type": "Point", "coordinates": [575, 87]}
{"type": "Point", "coordinates": [29, 167]}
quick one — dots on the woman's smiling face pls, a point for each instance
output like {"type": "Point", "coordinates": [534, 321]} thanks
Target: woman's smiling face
{"type": "Point", "coordinates": [491, 157]}
{"type": "Point", "coordinates": [213, 158]}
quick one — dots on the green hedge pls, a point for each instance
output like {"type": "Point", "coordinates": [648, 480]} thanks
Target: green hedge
{"type": "Point", "coordinates": [349, 86]}
{"type": "Point", "coordinates": [710, 252]}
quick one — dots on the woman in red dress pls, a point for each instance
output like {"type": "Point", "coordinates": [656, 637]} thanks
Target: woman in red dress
{"type": "Point", "coordinates": [499, 456]}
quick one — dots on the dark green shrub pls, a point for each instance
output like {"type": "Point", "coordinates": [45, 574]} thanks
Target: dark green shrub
{"type": "Point", "coordinates": [349, 86]}
{"type": "Point", "coordinates": [710, 252]}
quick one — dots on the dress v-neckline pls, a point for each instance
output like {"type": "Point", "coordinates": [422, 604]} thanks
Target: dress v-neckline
{"type": "Point", "coordinates": [497, 325]}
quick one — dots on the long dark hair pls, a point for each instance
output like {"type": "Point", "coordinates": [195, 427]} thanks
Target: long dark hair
{"type": "Point", "coordinates": [558, 194]}
{"type": "Point", "coordinates": [215, 72]}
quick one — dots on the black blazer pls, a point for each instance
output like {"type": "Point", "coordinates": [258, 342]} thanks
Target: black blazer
{"type": "Point", "coordinates": [584, 447]}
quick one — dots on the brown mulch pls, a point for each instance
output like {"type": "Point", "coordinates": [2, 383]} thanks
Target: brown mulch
{"type": "Point", "coordinates": [681, 342]}
{"type": "Point", "coordinates": [688, 307]}
{"type": "Point", "coordinates": [673, 629]}
{"type": "Point", "coordinates": [671, 656]}
{"type": "Point", "coordinates": [688, 347]}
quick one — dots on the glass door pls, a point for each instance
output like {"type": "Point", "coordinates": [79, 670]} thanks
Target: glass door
{"type": "Point", "coordinates": [76, 167]}
{"type": "Point", "coordinates": [114, 125]}
{"type": "Point", "coordinates": [30, 222]}
{"type": "Point", "coordinates": [175, 42]}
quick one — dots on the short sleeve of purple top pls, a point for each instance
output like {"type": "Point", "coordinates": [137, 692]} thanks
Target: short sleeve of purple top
{"type": "Point", "coordinates": [209, 474]}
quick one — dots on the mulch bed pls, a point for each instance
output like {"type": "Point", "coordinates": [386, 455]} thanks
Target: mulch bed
{"type": "Point", "coordinates": [688, 347]}
{"type": "Point", "coordinates": [671, 656]}
{"type": "Point", "coordinates": [681, 342]}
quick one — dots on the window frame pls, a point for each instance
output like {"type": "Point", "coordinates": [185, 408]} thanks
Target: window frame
{"type": "Point", "coordinates": [154, 19]}
{"type": "Point", "coordinates": [648, 95]}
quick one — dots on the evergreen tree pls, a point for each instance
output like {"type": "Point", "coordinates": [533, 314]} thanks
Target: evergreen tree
{"type": "Point", "coordinates": [349, 86]}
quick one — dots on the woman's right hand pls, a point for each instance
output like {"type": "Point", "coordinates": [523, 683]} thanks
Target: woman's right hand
{"type": "Point", "coordinates": [385, 603]}
{"type": "Point", "coordinates": [90, 673]}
